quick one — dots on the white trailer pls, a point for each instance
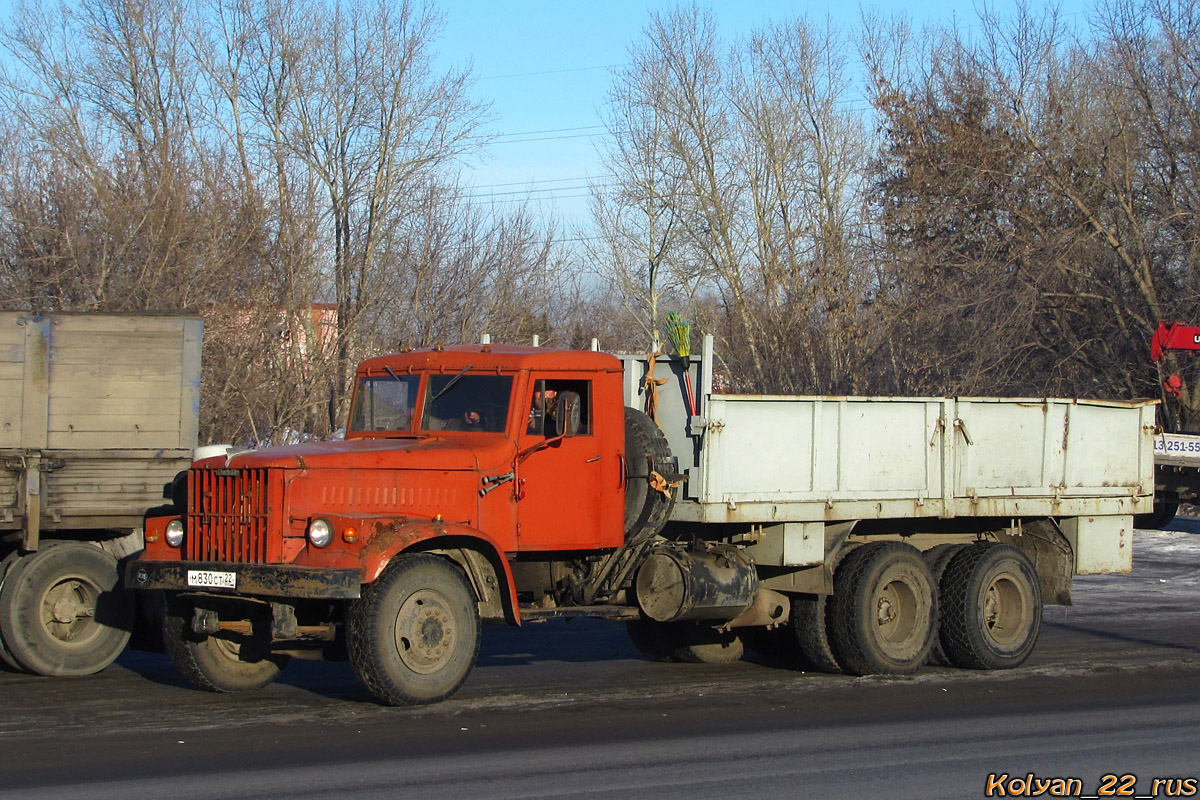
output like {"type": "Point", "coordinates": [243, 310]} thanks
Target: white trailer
{"type": "Point", "coordinates": [97, 413]}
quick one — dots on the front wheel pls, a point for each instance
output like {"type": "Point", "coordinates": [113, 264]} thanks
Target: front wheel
{"type": "Point", "coordinates": [991, 607]}
{"type": "Point", "coordinates": [219, 663]}
{"type": "Point", "coordinates": [413, 635]}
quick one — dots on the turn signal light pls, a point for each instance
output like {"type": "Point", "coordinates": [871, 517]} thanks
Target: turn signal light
{"type": "Point", "coordinates": [350, 536]}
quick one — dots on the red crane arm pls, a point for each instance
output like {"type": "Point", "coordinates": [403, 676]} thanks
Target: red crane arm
{"type": "Point", "coordinates": [1173, 336]}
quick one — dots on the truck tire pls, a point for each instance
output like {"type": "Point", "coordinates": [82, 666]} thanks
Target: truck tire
{"type": "Point", "coordinates": [700, 644]}
{"type": "Point", "coordinates": [6, 657]}
{"type": "Point", "coordinates": [937, 557]}
{"type": "Point", "coordinates": [654, 640]}
{"type": "Point", "coordinates": [991, 607]}
{"type": "Point", "coordinates": [1162, 515]}
{"type": "Point", "coordinates": [809, 624]}
{"type": "Point", "coordinates": [686, 642]}
{"type": "Point", "coordinates": [413, 635]}
{"type": "Point", "coordinates": [215, 663]}
{"type": "Point", "coordinates": [883, 612]}
{"type": "Point", "coordinates": [63, 611]}
{"type": "Point", "coordinates": [646, 509]}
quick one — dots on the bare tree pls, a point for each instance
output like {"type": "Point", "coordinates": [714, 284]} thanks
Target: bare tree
{"type": "Point", "coordinates": [738, 177]}
{"type": "Point", "coordinates": [1033, 209]}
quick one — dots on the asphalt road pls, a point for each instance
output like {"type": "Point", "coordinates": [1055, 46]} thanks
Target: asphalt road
{"type": "Point", "coordinates": [569, 709]}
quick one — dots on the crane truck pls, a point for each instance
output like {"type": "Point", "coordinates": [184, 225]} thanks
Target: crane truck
{"type": "Point", "coordinates": [1176, 452]}
{"type": "Point", "coordinates": [516, 484]}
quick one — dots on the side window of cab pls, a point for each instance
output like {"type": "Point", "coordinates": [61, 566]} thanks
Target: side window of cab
{"type": "Point", "coordinates": [547, 401]}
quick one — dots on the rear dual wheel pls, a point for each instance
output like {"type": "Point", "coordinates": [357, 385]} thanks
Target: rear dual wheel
{"type": "Point", "coordinates": [938, 557]}
{"type": "Point", "coordinates": [6, 657]}
{"type": "Point", "coordinates": [991, 607]}
{"type": "Point", "coordinates": [62, 610]}
{"type": "Point", "coordinates": [883, 612]}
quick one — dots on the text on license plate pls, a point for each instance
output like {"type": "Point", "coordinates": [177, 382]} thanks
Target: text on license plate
{"type": "Point", "coordinates": [208, 579]}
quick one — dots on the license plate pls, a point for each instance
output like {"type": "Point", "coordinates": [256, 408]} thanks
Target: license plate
{"type": "Point", "coordinates": [209, 579]}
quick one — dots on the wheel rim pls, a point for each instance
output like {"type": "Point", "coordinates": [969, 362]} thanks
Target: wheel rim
{"type": "Point", "coordinates": [227, 648]}
{"type": "Point", "coordinates": [425, 632]}
{"type": "Point", "coordinates": [1005, 608]}
{"type": "Point", "coordinates": [68, 611]}
{"type": "Point", "coordinates": [896, 612]}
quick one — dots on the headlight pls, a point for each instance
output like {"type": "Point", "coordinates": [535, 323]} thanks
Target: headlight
{"type": "Point", "coordinates": [320, 533]}
{"type": "Point", "coordinates": [175, 532]}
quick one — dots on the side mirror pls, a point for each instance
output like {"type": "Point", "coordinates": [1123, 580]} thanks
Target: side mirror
{"type": "Point", "coordinates": [567, 419]}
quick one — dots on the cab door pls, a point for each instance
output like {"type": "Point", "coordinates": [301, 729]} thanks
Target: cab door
{"type": "Point", "coordinates": [559, 478]}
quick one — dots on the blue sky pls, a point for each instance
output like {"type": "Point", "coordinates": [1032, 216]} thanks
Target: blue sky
{"type": "Point", "coordinates": [545, 66]}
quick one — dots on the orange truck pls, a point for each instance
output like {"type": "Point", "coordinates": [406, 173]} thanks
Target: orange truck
{"type": "Point", "coordinates": [511, 484]}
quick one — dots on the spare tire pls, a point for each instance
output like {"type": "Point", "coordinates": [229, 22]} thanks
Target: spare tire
{"type": "Point", "coordinates": [646, 508]}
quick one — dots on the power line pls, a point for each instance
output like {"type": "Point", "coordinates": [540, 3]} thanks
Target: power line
{"type": "Point", "coordinates": [530, 182]}
{"type": "Point", "coordinates": [501, 199]}
{"type": "Point", "coordinates": [553, 138]}
{"type": "Point", "coordinates": [533, 191]}
{"type": "Point", "coordinates": [548, 72]}
{"type": "Point", "coordinates": [551, 130]}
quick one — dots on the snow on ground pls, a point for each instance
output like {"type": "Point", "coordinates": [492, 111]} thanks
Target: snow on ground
{"type": "Point", "coordinates": [1165, 580]}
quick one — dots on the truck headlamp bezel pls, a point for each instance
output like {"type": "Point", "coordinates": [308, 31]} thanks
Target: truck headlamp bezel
{"type": "Point", "coordinates": [320, 533]}
{"type": "Point", "coordinates": [174, 533]}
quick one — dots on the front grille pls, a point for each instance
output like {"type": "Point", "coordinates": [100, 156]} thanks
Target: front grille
{"type": "Point", "coordinates": [227, 518]}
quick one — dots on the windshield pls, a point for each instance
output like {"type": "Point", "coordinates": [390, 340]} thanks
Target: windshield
{"type": "Point", "coordinates": [467, 403]}
{"type": "Point", "coordinates": [384, 403]}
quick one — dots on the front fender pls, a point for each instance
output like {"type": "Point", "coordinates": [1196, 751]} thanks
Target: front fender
{"type": "Point", "coordinates": [390, 539]}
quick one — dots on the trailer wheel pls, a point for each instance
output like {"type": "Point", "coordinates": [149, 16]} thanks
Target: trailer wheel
{"type": "Point", "coordinates": [992, 607]}
{"type": "Point", "coordinates": [646, 509]}
{"type": "Point", "coordinates": [6, 657]}
{"type": "Point", "coordinates": [63, 612]}
{"type": "Point", "coordinates": [937, 558]}
{"type": "Point", "coordinates": [216, 663]}
{"type": "Point", "coordinates": [413, 635]}
{"type": "Point", "coordinates": [883, 611]}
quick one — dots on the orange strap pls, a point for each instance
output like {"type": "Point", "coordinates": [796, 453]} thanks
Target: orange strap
{"type": "Point", "coordinates": [652, 390]}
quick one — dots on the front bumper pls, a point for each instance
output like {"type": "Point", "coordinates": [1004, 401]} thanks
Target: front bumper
{"type": "Point", "coordinates": [252, 580]}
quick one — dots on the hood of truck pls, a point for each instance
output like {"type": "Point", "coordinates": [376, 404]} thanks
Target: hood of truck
{"type": "Point", "coordinates": [461, 452]}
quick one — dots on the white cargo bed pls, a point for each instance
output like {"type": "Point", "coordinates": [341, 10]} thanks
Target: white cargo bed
{"type": "Point", "coordinates": [831, 458]}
